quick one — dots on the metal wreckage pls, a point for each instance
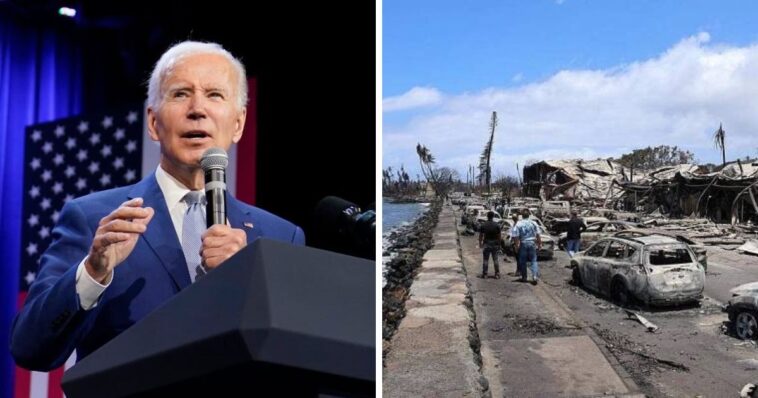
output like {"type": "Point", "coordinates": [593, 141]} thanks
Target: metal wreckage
{"type": "Point", "coordinates": [683, 194]}
{"type": "Point", "coordinates": [691, 208]}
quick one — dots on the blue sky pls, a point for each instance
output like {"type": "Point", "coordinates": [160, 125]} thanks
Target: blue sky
{"type": "Point", "coordinates": [571, 78]}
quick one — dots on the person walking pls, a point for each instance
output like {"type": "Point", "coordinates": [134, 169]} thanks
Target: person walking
{"type": "Point", "coordinates": [574, 234]}
{"type": "Point", "coordinates": [489, 241]}
{"type": "Point", "coordinates": [513, 232]}
{"type": "Point", "coordinates": [528, 241]}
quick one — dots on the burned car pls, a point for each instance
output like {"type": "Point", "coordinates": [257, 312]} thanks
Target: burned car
{"type": "Point", "coordinates": [699, 248]}
{"type": "Point", "coordinates": [654, 269]}
{"type": "Point", "coordinates": [548, 242]}
{"type": "Point", "coordinates": [470, 212]}
{"type": "Point", "coordinates": [555, 208]}
{"type": "Point", "coordinates": [481, 218]}
{"type": "Point", "coordinates": [560, 225]}
{"type": "Point", "coordinates": [598, 230]}
{"type": "Point", "coordinates": [742, 309]}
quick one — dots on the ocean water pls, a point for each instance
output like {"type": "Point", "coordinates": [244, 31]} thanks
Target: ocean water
{"type": "Point", "coordinates": [396, 215]}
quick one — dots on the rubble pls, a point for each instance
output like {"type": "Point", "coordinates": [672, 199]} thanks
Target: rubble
{"type": "Point", "coordinates": [644, 363]}
{"type": "Point", "coordinates": [651, 327]}
{"type": "Point", "coordinates": [532, 325]}
{"type": "Point", "coordinates": [750, 247]}
{"type": "Point", "coordinates": [749, 364]}
{"type": "Point", "coordinates": [588, 182]}
{"type": "Point", "coordinates": [749, 390]}
{"type": "Point", "coordinates": [712, 208]}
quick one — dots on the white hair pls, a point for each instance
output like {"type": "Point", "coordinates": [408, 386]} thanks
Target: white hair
{"type": "Point", "coordinates": [180, 51]}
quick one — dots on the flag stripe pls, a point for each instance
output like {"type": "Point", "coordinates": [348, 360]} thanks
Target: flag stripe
{"type": "Point", "coordinates": [39, 385]}
{"type": "Point", "coordinates": [246, 148]}
{"type": "Point", "coordinates": [23, 376]}
{"type": "Point", "coordinates": [54, 383]}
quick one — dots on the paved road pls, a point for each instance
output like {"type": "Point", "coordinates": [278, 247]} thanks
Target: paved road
{"type": "Point", "coordinates": [531, 344]}
{"type": "Point", "coordinates": [727, 269]}
{"type": "Point", "coordinates": [690, 355]}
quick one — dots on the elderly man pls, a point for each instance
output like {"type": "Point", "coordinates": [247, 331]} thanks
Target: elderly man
{"type": "Point", "coordinates": [527, 242]}
{"type": "Point", "coordinates": [117, 255]}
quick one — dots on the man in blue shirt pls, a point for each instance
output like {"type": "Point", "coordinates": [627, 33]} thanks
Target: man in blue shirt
{"type": "Point", "coordinates": [527, 242]}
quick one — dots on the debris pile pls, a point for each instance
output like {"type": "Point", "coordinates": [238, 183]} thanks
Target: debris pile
{"type": "Point", "coordinates": [712, 208]}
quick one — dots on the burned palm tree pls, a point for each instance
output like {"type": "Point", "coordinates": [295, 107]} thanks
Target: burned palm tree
{"type": "Point", "coordinates": [484, 160]}
{"type": "Point", "coordinates": [387, 179]}
{"type": "Point", "coordinates": [423, 156]}
{"type": "Point", "coordinates": [718, 139]}
{"type": "Point", "coordinates": [406, 179]}
{"type": "Point", "coordinates": [426, 159]}
{"type": "Point", "coordinates": [403, 179]}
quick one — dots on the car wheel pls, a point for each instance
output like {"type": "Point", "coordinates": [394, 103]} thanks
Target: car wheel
{"type": "Point", "coordinates": [746, 324]}
{"type": "Point", "coordinates": [619, 293]}
{"type": "Point", "coordinates": [576, 276]}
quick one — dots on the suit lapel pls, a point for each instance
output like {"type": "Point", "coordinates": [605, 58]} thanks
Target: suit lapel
{"type": "Point", "coordinates": [241, 219]}
{"type": "Point", "coordinates": [160, 235]}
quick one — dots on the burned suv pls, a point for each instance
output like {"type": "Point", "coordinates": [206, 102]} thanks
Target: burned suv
{"type": "Point", "coordinates": [742, 309]}
{"type": "Point", "coordinates": [654, 269]}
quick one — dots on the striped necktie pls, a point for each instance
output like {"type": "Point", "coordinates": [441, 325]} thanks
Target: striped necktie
{"type": "Point", "coordinates": [192, 229]}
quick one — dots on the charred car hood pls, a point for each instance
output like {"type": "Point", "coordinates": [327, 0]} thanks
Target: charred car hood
{"type": "Point", "coordinates": [746, 289]}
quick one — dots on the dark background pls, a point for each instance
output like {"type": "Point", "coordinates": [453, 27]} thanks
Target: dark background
{"type": "Point", "coordinates": [315, 66]}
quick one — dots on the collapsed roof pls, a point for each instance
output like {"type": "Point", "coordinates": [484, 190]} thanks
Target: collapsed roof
{"type": "Point", "coordinates": [678, 190]}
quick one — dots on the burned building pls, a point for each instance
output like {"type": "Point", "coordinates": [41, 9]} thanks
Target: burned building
{"type": "Point", "coordinates": [588, 181]}
{"type": "Point", "coordinates": [727, 195]}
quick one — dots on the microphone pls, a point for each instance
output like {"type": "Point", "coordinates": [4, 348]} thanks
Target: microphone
{"type": "Point", "coordinates": [214, 162]}
{"type": "Point", "coordinates": [346, 219]}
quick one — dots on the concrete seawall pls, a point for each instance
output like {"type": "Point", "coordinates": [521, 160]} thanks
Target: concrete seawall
{"type": "Point", "coordinates": [431, 353]}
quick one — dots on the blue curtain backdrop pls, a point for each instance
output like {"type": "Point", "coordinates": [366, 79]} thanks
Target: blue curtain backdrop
{"type": "Point", "coordinates": [40, 80]}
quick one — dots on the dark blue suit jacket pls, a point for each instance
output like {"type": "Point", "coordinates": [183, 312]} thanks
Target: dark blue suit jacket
{"type": "Point", "coordinates": [52, 323]}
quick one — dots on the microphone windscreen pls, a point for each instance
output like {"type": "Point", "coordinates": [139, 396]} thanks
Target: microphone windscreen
{"type": "Point", "coordinates": [214, 158]}
{"type": "Point", "coordinates": [330, 211]}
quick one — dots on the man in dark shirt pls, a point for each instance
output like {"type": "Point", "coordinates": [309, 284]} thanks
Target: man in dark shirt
{"type": "Point", "coordinates": [574, 234]}
{"type": "Point", "coordinates": [489, 241]}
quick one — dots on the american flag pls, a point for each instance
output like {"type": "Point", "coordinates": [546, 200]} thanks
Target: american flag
{"type": "Point", "coordinates": [66, 159]}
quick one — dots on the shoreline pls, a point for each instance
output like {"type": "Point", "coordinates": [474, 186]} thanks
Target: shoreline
{"type": "Point", "coordinates": [408, 244]}
{"type": "Point", "coordinates": [391, 235]}
{"type": "Point", "coordinates": [408, 199]}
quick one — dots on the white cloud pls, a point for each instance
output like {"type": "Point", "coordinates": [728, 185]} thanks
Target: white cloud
{"type": "Point", "coordinates": [414, 98]}
{"type": "Point", "coordinates": [678, 98]}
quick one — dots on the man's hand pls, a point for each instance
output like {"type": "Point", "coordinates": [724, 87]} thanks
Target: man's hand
{"type": "Point", "coordinates": [221, 242]}
{"type": "Point", "coordinates": [116, 237]}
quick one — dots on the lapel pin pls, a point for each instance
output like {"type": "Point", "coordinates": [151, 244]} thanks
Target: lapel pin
{"type": "Point", "coordinates": [248, 225]}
